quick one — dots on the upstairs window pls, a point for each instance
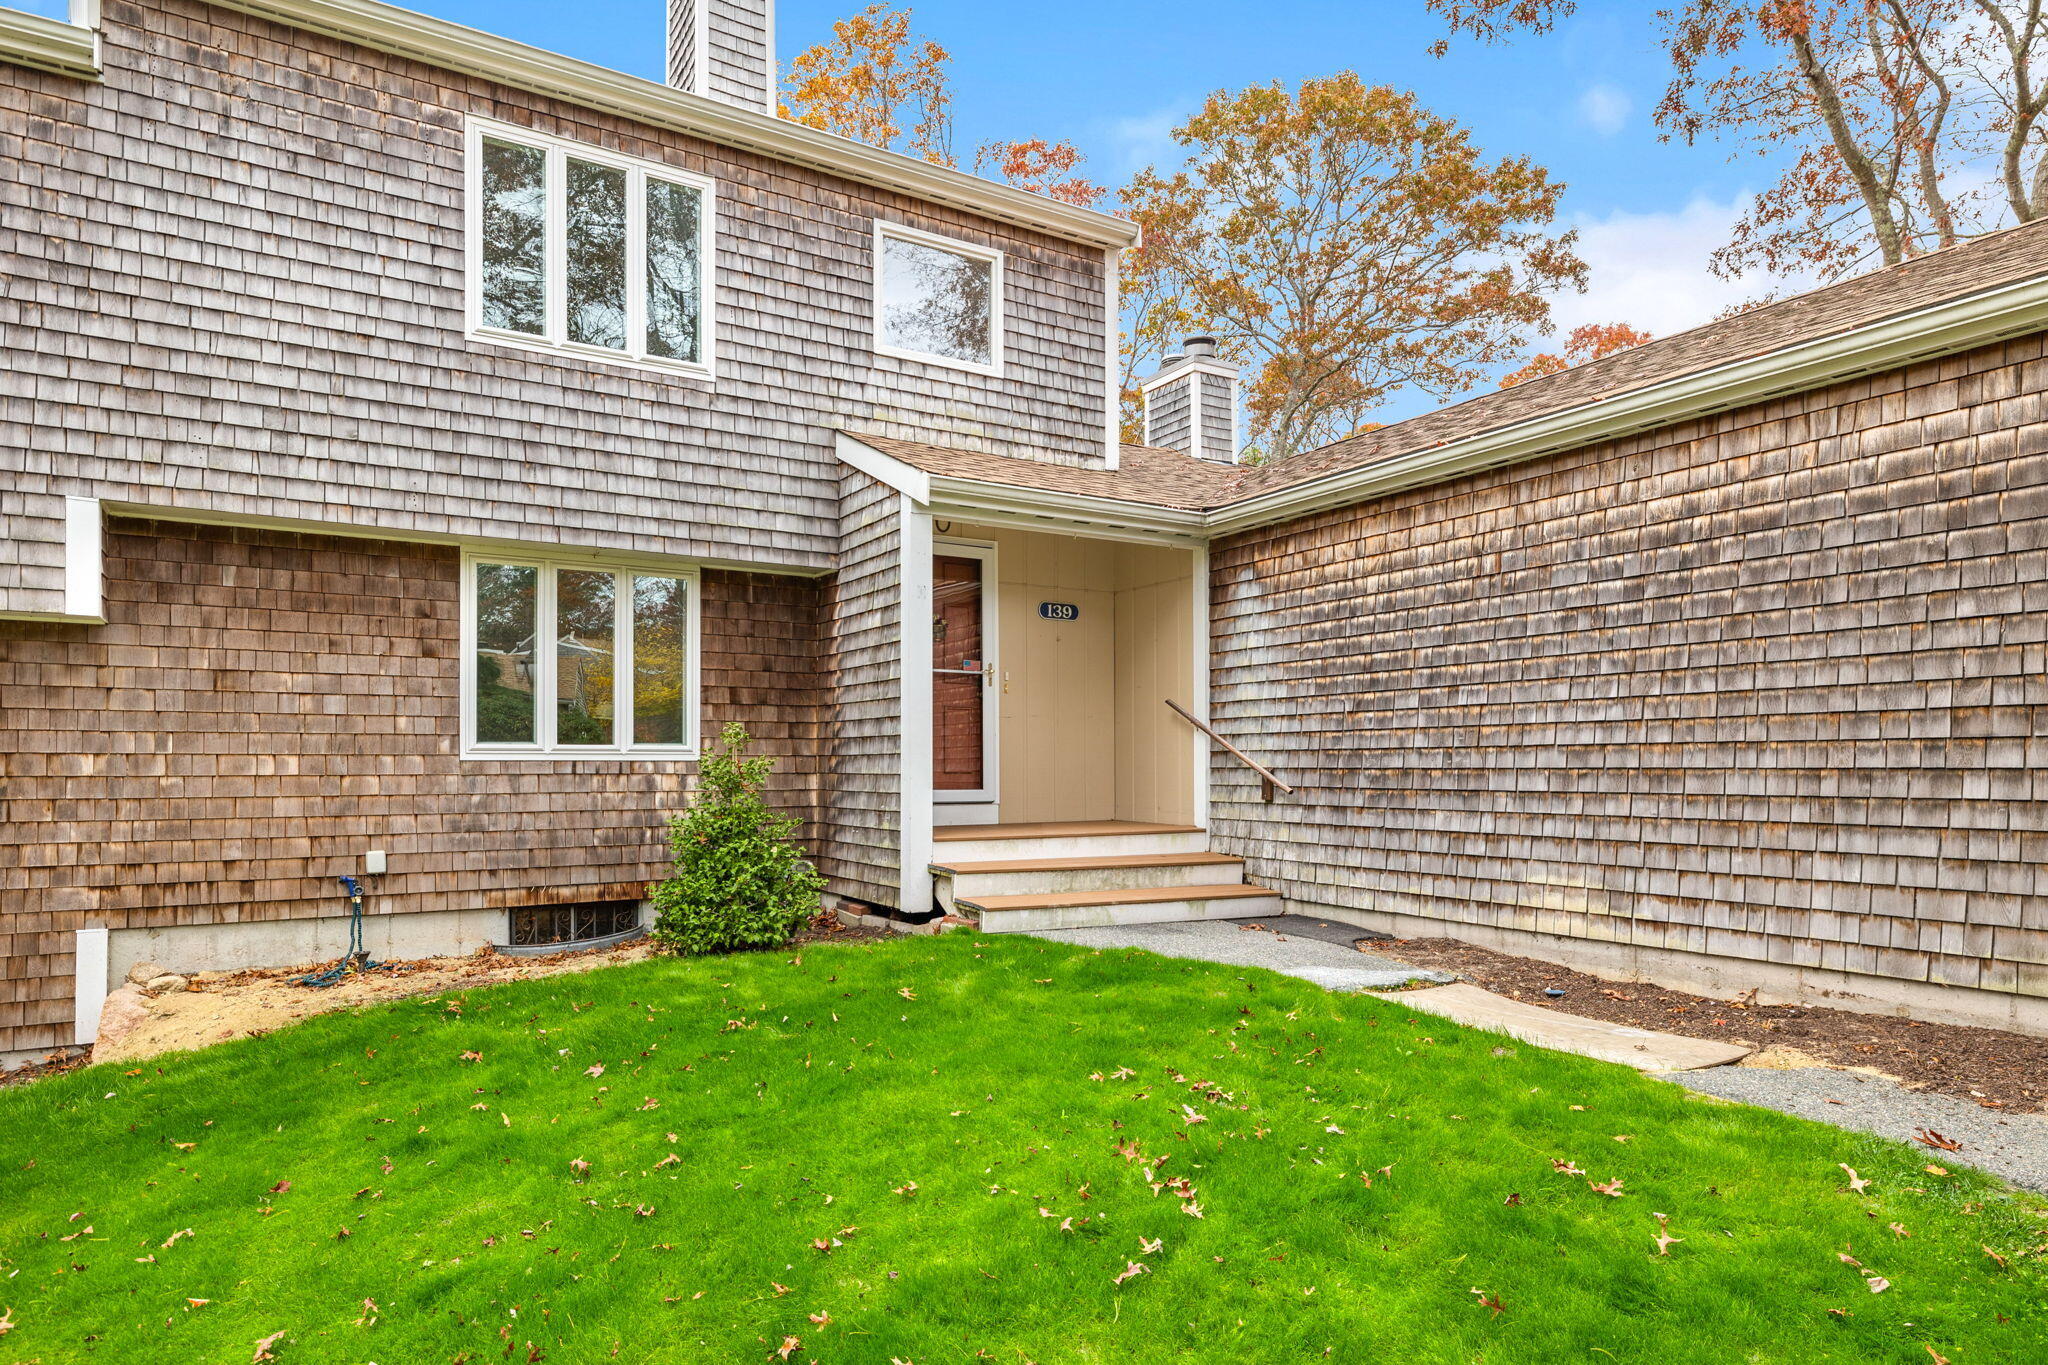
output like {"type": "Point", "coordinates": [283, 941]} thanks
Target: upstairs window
{"type": "Point", "coordinates": [576, 250]}
{"type": "Point", "coordinates": [570, 659]}
{"type": "Point", "coordinates": [938, 300]}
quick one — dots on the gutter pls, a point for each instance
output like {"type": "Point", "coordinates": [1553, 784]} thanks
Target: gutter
{"type": "Point", "coordinates": [49, 44]}
{"type": "Point", "coordinates": [453, 47]}
{"type": "Point", "coordinates": [1942, 329]}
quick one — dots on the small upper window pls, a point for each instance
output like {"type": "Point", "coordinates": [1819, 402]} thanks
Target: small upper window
{"type": "Point", "coordinates": [938, 300]}
{"type": "Point", "coordinates": [577, 250]}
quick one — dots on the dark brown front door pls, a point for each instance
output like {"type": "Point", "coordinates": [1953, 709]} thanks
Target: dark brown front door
{"type": "Point", "coordinates": [960, 678]}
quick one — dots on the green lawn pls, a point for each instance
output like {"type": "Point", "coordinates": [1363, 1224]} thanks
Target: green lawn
{"type": "Point", "coordinates": [933, 1144]}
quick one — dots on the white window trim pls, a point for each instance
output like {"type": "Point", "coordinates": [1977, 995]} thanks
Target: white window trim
{"type": "Point", "coordinates": [545, 748]}
{"type": "Point", "coordinates": [885, 230]}
{"type": "Point", "coordinates": [555, 343]}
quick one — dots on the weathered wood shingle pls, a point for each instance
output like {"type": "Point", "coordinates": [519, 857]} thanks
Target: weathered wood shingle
{"type": "Point", "coordinates": [236, 278]}
{"type": "Point", "coordinates": [261, 708]}
{"type": "Point", "coordinates": [1771, 685]}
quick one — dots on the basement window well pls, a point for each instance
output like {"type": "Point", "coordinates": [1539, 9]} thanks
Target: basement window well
{"type": "Point", "coordinates": [538, 929]}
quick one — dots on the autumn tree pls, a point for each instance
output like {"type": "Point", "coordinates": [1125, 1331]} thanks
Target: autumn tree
{"type": "Point", "coordinates": [1347, 242]}
{"type": "Point", "coordinates": [1048, 168]}
{"type": "Point", "coordinates": [1904, 125]}
{"type": "Point", "coordinates": [876, 83]}
{"type": "Point", "coordinates": [1591, 341]}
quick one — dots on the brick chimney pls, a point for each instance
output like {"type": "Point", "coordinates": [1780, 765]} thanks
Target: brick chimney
{"type": "Point", "coordinates": [724, 50]}
{"type": "Point", "coordinates": [1191, 403]}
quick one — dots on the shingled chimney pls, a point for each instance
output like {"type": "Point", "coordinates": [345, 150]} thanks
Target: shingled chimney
{"type": "Point", "coordinates": [1191, 403]}
{"type": "Point", "coordinates": [724, 50]}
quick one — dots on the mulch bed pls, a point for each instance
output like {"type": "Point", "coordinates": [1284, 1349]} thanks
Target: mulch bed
{"type": "Point", "coordinates": [1998, 1070]}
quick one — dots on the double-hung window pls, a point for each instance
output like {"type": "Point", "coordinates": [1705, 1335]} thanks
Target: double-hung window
{"type": "Point", "coordinates": [567, 658]}
{"type": "Point", "coordinates": [938, 300]}
{"type": "Point", "coordinates": [576, 250]}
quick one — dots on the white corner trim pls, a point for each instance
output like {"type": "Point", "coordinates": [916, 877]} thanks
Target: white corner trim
{"type": "Point", "coordinates": [1112, 359]}
{"type": "Point", "coordinates": [771, 97]}
{"type": "Point", "coordinates": [453, 47]}
{"type": "Point", "coordinates": [909, 480]}
{"type": "Point", "coordinates": [88, 983]}
{"type": "Point", "coordinates": [914, 716]}
{"type": "Point", "coordinates": [64, 48]}
{"type": "Point", "coordinates": [1941, 329]}
{"type": "Point", "coordinates": [1199, 702]}
{"type": "Point", "coordinates": [84, 559]}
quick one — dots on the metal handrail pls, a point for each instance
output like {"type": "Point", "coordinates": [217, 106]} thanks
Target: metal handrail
{"type": "Point", "coordinates": [1267, 781]}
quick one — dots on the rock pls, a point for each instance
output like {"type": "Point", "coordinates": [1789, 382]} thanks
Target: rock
{"type": "Point", "coordinates": [143, 971]}
{"type": "Point", "coordinates": [124, 1012]}
{"type": "Point", "coordinates": [169, 981]}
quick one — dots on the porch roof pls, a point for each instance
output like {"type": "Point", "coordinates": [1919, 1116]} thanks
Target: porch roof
{"type": "Point", "coordinates": [1145, 474]}
{"type": "Point", "coordinates": [1977, 292]}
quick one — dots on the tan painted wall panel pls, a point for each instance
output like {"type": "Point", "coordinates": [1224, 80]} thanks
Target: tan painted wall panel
{"type": "Point", "coordinates": [1154, 661]}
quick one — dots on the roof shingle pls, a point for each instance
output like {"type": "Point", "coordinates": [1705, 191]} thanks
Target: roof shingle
{"type": "Point", "coordinates": [1168, 478]}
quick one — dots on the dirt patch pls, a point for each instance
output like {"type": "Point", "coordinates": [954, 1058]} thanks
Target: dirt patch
{"type": "Point", "coordinates": [1998, 1070]}
{"type": "Point", "coordinates": [218, 1006]}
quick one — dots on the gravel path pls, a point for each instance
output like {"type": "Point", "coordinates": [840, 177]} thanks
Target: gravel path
{"type": "Point", "coordinates": [2013, 1146]}
{"type": "Point", "coordinates": [1282, 948]}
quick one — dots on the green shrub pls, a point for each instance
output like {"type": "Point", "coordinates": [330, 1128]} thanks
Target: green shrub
{"type": "Point", "coordinates": [740, 881]}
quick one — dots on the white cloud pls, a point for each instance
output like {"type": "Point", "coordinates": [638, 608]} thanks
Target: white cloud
{"type": "Point", "coordinates": [1131, 144]}
{"type": "Point", "coordinates": [1605, 109]}
{"type": "Point", "coordinates": [1650, 269]}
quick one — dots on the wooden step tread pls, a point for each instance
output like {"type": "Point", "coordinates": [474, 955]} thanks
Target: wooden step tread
{"type": "Point", "coordinates": [1141, 895]}
{"type": "Point", "coordinates": [1056, 829]}
{"type": "Point", "coordinates": [1090, 864]}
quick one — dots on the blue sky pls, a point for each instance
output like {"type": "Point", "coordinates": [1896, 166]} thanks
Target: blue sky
{"type": "Point", "coordinates": [1113, 77]}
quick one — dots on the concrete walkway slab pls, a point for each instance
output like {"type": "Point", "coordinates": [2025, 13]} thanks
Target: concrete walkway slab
{"type": "Point", "coordinates": [1254, 943]}
{"type": "Point", "coordinates": [1640, 1048]}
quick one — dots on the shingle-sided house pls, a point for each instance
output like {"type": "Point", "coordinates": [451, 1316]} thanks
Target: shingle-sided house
{"type": "Point", "coordinates": [413, 444]}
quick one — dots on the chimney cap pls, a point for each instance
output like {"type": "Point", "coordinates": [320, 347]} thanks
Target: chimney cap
{"type": "Point", "coordinates": [1200, 346]}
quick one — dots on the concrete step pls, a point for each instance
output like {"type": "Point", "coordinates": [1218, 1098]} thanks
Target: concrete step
{"type": "Point", "coordinates": [1035, 876]}
{"type": "Point", "coordinates": [1063, 839]}
{"type": "Point", "coordinates": [1136, 905]}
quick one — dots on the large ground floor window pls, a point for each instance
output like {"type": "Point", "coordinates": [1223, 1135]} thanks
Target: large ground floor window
{"type": "Point", "coordinates": [570, 658]}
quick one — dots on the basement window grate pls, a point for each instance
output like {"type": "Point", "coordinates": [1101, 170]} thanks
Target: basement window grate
{"type": "Point", "coordinates": [546, 926]}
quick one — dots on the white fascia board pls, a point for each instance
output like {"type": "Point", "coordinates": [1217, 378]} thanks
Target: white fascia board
{"type": "Point", "coordinates": [1942, 329]}
{"type": "Point", "coordinates": [68, 49]}
{"type": "Point", "coordinates": [555, 549]}
{"type": "Point", "coordinates": [907, 479]}
{"type": "Point", "coordinates": [453, 47]}
{"type": "Point", "coordinates": [1105, 518]}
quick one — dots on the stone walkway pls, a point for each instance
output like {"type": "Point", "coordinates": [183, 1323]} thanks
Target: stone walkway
{"type": "Point", "coordinates": [1286, 945]}
{"type": "Point", "coordinates": [2010, 1145]}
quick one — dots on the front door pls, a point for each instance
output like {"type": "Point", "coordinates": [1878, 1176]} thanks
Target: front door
{"type": "Point", "coordinates": [963, 675]}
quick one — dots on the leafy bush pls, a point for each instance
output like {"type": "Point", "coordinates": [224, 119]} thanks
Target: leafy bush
{"type": "Point", "coordinates": [740, 881]}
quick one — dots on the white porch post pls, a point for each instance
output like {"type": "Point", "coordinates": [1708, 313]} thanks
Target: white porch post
{"type": "Point", "coordinates": [914, 820]}
{"type": "Point", "coordinates": [1199, 702]}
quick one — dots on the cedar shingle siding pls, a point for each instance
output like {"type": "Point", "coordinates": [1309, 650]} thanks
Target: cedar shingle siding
{"type": "Point", "coordinates": [236, 281]}
{"type": "Point", "coordinates": [261, 708]}
{"type": "Point", "coordinates": [1772, 685]}
{"type": "Point", "coordinates": [863, 657]}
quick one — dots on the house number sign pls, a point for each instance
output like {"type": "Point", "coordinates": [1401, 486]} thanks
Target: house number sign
{"type": "Point", "coordinates": [1059, 611]}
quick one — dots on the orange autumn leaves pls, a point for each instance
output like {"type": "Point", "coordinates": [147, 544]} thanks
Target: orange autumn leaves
{"type": "Point", "coordinates": [877, 82]}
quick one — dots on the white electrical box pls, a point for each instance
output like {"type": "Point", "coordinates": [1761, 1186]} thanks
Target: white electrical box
{"type": "Point", "coordinates": [373, 862]}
